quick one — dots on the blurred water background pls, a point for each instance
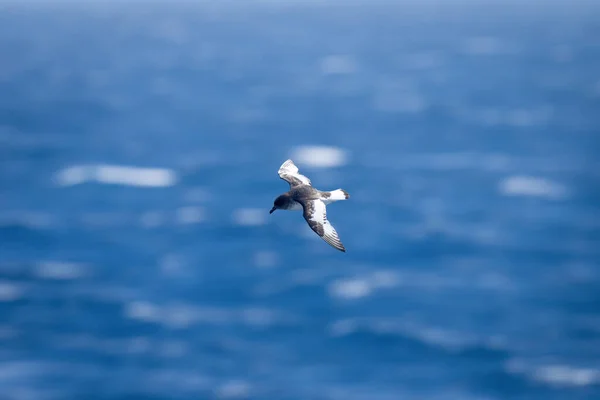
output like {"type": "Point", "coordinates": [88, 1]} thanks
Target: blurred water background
{"type": "Point", "coordinates": [139, 148]}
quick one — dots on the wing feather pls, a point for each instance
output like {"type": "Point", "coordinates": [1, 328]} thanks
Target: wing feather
{"type": "Point", "coordinates": [289, 173]}
{"type": "Point", "coordinates": [315, 213]}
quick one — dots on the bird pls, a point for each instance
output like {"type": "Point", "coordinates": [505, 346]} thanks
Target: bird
{"type": "Point", "coordinates": [302, 196]}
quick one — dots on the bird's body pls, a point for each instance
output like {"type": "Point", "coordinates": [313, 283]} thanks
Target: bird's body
{"type": "Point", "coordinates": [303, 197]}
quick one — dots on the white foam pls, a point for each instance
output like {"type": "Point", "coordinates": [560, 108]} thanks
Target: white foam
{"type": "Point", "coordinates": [182, 316]}
{"type": "Point", "coordinates": [143, 311]}
{"type": "Point", "coordinates": [320, 156]}
{"type": "Point", "coordinates": [442, 338]}
{"type": "Point", "coordinates": [133, 176]}
{"type": "Point", "coordinates": [10, 292]}
{"type": "Point", "coordinates": [558, 375]}
{"type": "Point", "coordinates": [74, 175]}
{"type": "Point", "coordinates": [356, 287]}
{"type": "Point", "coordinates": [338, 64]}
{"type": "Point", "coordinates": [235, 389]}
{"type": "Point", "coordinates": [564, 375]}
{"type": "Point", "coordinates": [250, 216]}
{"type": "Point", "coordinates": [59, 270]}
{"type": "Point", "coordinates": [531, 186]}
{"type": "Point", "coordinates": [190, 215]}
{"type": "Point", "coordinates": [117, 175]}
{"type": "Point", "coordinates": [350, 288]}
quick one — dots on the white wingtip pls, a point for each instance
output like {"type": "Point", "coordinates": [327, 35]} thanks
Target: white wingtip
{"type": "Point", "coordinates": [339, 194]}
{"type": "Point", "coordinates": [289, 172]}
{"type": "Point", "coordinates": [287, 164]}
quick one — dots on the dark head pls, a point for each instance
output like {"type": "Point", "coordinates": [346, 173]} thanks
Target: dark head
{"type": "Point", "coordinates": [279, 202]}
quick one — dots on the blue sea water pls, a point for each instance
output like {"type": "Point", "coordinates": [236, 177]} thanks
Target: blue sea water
{"type": "Point", "coordinates": [139, 148]}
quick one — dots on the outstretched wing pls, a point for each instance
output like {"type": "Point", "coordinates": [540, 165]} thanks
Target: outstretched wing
{"type": "Point", "coordinates": [289, 173]}
{"type": "Point", "coordinates": [315, 213]}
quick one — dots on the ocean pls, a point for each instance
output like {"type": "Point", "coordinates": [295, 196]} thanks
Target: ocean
{"type": "Point", "coordinates": [139, 149]}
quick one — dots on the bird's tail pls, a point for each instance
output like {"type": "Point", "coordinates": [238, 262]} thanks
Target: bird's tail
{"type": "Point", "coordinates": [334, 195]}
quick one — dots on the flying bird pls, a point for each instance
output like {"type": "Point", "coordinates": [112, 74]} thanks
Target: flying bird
{"type": "Point", "coordinates": [312, 202]}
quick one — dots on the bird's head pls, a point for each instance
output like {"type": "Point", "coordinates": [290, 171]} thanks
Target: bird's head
{"type": "Point", "coordinates": [279, 203]}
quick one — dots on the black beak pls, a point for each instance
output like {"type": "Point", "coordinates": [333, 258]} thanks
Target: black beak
{"type": "Point", "coordinates": [272, 209]}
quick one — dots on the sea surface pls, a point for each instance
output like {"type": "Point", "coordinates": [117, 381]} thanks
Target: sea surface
{"type": "Point", "coordinates": [139, 148]}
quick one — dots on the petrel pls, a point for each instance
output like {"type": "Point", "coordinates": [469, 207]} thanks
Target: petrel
{"type": "Point", "coordinates": [313, 202]}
